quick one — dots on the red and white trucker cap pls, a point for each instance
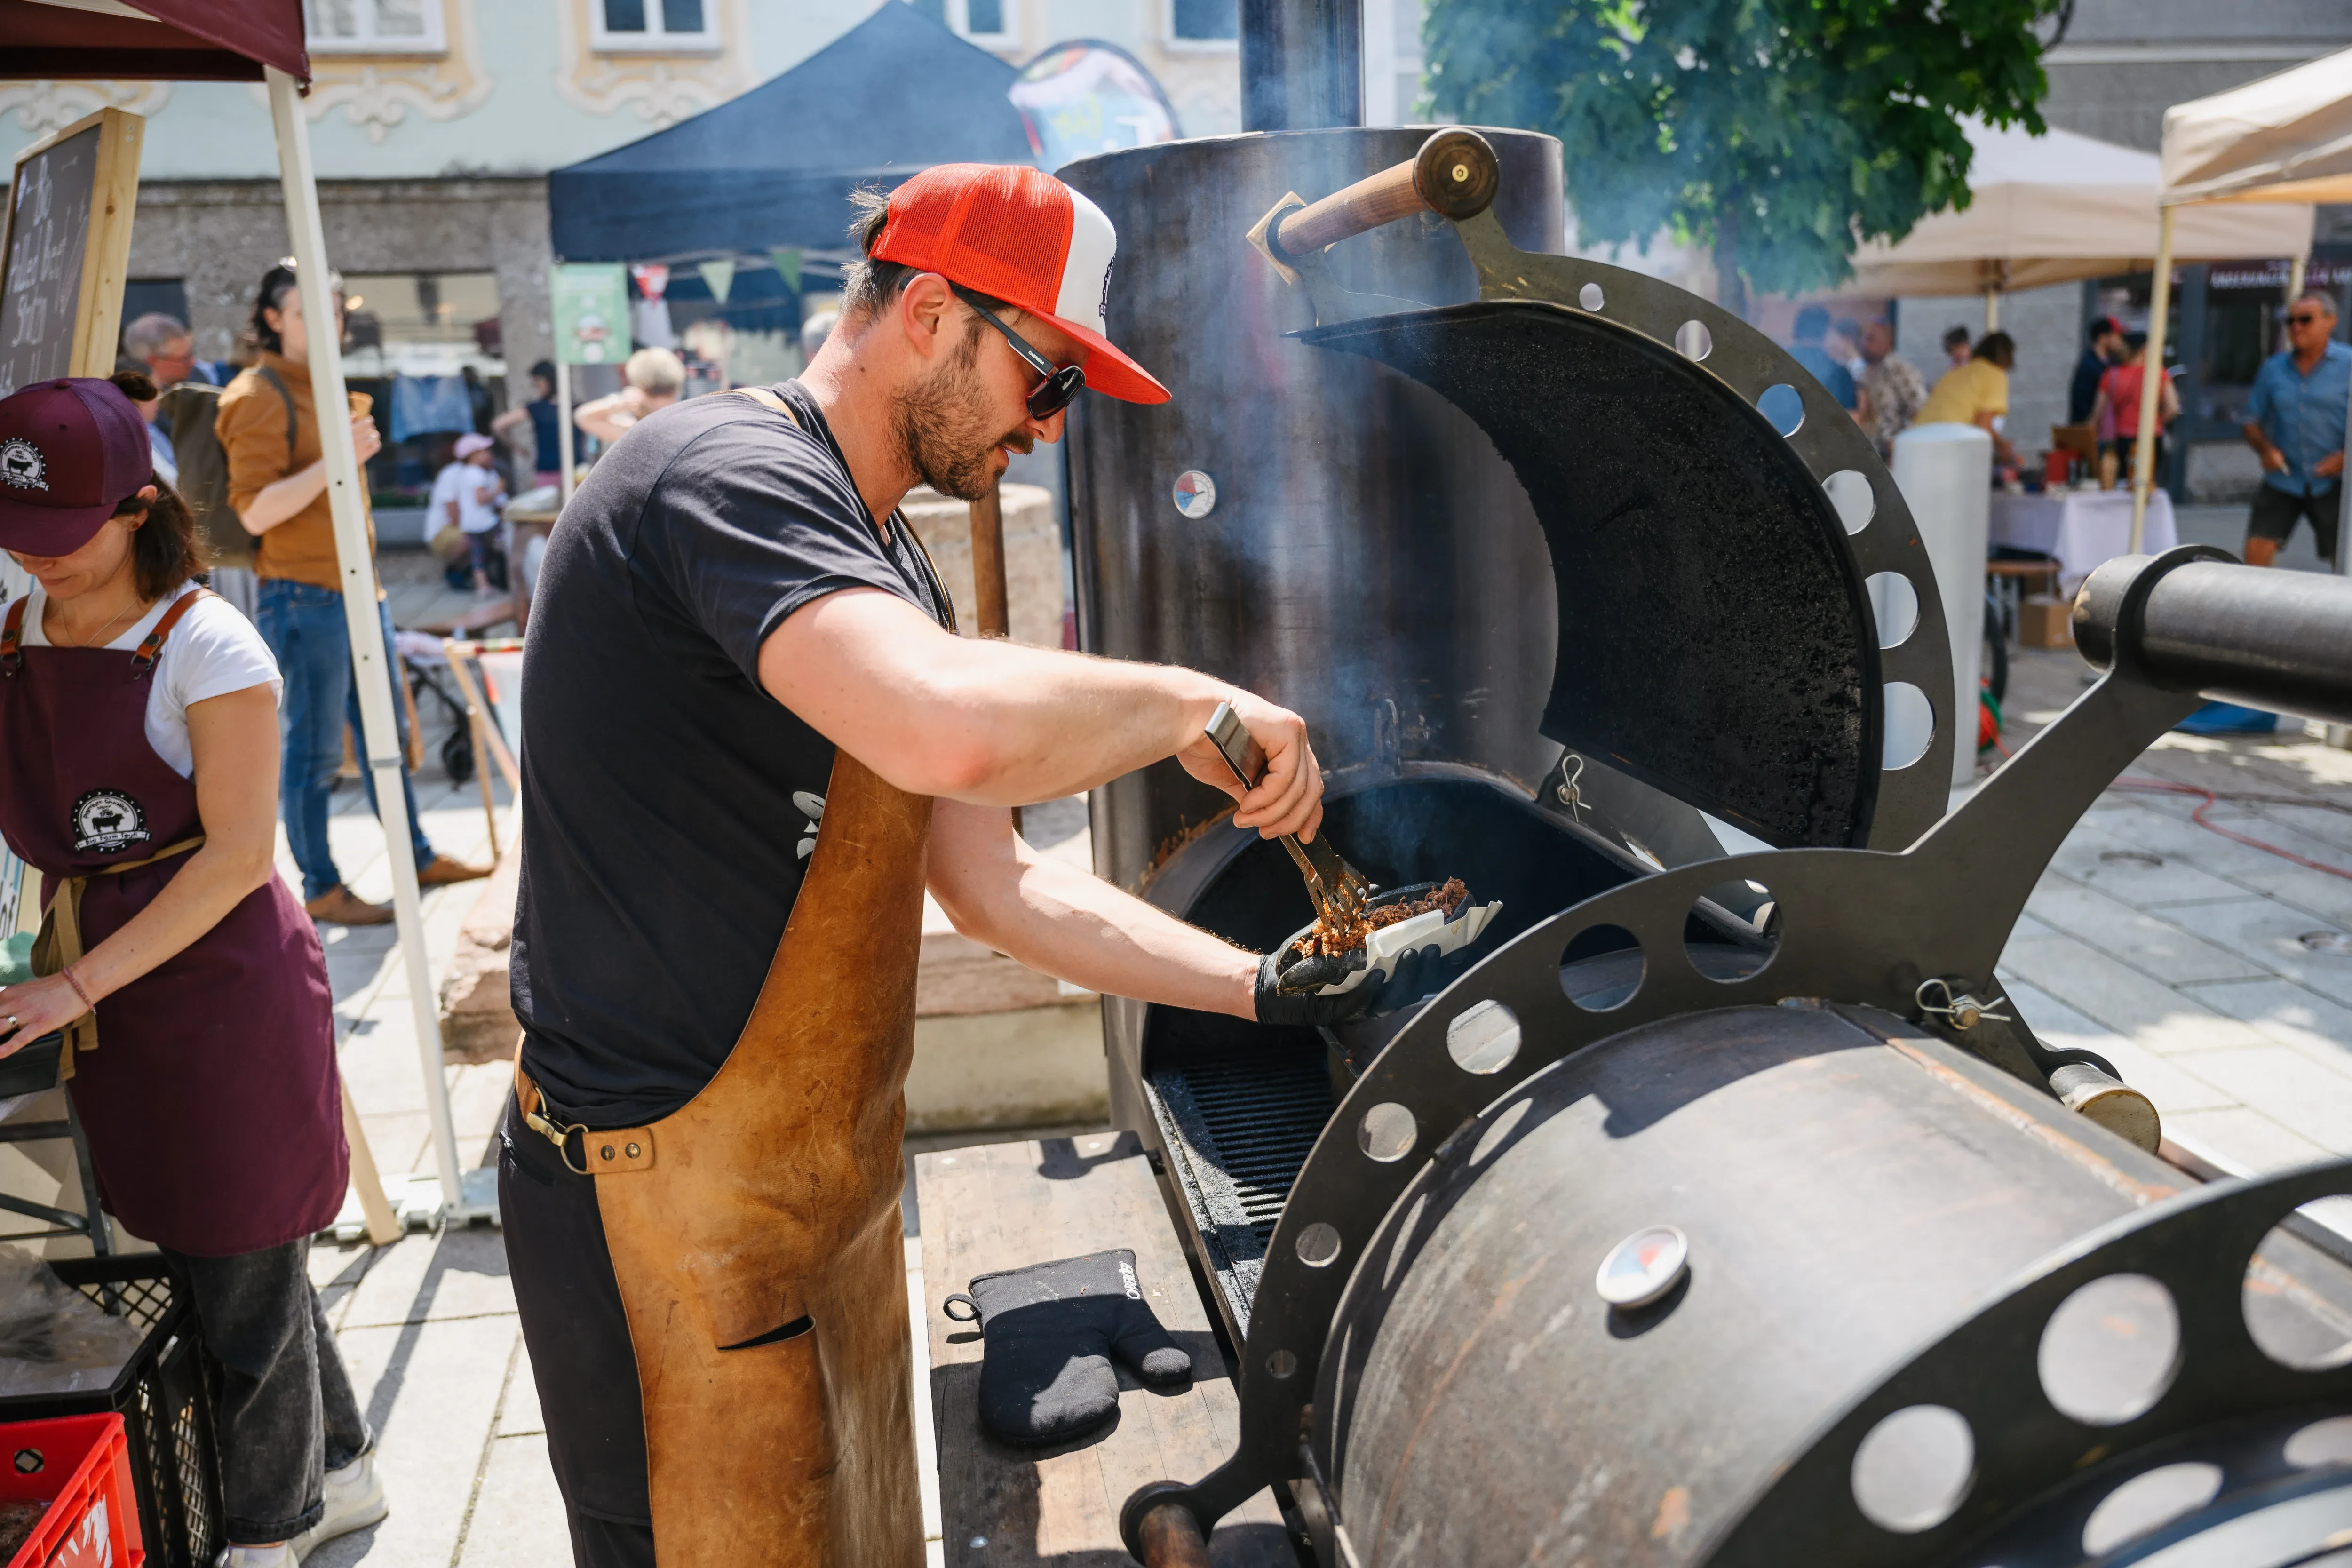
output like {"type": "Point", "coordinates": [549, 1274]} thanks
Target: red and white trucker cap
{"type": "Point", "coordinates": [1023, 237]}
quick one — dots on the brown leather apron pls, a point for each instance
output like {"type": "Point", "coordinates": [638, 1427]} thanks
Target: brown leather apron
{"type": "Point", "coordinates": [756, 1238]}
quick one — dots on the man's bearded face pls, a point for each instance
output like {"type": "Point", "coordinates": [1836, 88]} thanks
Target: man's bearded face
{"type": "Point", "coordinates": [944, 424]}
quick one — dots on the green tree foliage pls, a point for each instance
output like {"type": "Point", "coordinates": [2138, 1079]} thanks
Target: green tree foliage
{"type": "Point", "coordinates": [1778, 134]}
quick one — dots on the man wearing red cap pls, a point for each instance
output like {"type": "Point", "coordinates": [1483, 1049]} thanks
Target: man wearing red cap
{"type": "Point", "coordinates": [753, 744]}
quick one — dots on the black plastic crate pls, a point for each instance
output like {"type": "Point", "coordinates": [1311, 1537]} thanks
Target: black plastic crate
{"type": "Point", "coordinates": [164, 1395]}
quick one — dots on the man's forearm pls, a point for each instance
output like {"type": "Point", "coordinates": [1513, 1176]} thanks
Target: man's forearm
{"type": "Point", "coordinates": [1062, 920]}
{"type": "Point", "coordinates": [995, 723]}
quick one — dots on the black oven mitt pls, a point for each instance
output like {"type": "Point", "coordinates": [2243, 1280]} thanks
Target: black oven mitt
{"type": "Point", "coordinates": [1049, 1332]}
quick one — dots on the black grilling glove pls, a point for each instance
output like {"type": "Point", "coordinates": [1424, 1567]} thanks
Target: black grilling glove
{"type": "Point", "coordinates": [1050, 1331]}
{"type": "Point", "coordinates": [1289, 993]}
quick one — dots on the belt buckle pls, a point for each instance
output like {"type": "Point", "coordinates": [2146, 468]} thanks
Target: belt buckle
{"type": "Point", "coordinates": [559, 1136]}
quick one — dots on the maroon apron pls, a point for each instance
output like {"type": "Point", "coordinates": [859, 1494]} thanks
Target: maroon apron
{"type": "Point", "coordinates": [211, 1103]}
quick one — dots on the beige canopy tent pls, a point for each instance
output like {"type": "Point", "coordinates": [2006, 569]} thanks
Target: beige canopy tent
{"type": "Point", "coordinates": [2059, 208]}
{"type": "Point", "coordinates": [2285, 138]}
{"type": "Point", "coordinates": [262, 40]}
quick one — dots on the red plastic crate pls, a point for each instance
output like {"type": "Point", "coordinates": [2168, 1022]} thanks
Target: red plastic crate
{"type": "Point", "coordinates": [79, 1466]}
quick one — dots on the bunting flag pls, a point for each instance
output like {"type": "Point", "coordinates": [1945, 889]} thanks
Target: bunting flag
{"type": "Point", "coordinates": [787, 258]}
{"type": "Point", "coordinates": [719, 276]}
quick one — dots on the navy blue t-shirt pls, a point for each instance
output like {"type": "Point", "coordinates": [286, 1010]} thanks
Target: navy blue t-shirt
{"type": "Point", "coordinates": [669, 804]}
{"type": "Point", "coordinates": [546, 434]}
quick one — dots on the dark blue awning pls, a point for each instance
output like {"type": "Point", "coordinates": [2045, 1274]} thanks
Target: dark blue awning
{"type": "Point", "coordinates": [891, 97]}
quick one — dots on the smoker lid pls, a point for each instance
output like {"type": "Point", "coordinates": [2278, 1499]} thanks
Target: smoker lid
{"type": "Point", "coordinates": [1717, 637]}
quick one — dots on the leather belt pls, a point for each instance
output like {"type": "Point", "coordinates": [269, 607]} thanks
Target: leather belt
{"type": "Point", "coordinates": [611, 1152]}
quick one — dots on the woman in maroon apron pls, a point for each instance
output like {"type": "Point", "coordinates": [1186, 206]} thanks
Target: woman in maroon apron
{"type": "Point", "coordinates": [190, 987]}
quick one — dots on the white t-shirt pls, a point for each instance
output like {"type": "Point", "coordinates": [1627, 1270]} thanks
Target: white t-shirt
{"type": "Point", "coordinates": [474, 489]}
{"type": "Point", "coordinates": [214, 651]}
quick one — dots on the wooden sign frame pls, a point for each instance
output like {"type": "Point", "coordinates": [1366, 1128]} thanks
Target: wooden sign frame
{"type": "Point", "coordinates": [97, 311]}
{"type": "Point", "coordinates": [106, 246]}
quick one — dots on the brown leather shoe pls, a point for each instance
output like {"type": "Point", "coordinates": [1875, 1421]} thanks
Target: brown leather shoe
{"type": "Point", "coordinates": [344, 908]}
{"type": "Point", "coordinates": [441, 870]}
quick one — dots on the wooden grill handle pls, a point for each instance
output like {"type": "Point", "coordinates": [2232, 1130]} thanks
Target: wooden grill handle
{"type": "Point", "coordinates": [1170, 1538]}
{"type": "Point", "coordinates": [1454, 175]}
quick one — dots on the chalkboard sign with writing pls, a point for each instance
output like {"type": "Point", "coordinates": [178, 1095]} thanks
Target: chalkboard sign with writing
{"type": "Point", "coordinates": [68, 241]}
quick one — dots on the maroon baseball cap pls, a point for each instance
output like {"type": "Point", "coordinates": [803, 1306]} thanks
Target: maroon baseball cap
{"type": "Point", "coordinates": [70, 452]}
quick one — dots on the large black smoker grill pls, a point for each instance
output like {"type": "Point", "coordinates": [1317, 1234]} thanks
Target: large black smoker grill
{"type": "Point", "coordinates": [1573, 620]}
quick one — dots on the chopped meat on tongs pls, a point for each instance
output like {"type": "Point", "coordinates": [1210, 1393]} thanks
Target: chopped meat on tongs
{"type": "Point", "coordinates": [1340, 891]}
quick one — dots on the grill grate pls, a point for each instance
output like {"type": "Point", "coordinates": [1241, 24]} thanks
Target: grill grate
{"type": "Point", "coordinates": [1241, 1129]}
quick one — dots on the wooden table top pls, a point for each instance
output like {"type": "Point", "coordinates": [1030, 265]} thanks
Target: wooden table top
{"type": "Point", "coordinates": [1004, 1205]}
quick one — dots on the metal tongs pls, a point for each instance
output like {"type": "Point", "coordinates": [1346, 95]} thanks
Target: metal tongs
{"type": "Point", "coordinates": [1338, 890]}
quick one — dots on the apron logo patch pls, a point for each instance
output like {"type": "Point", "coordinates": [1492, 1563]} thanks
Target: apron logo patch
{"type": "Point", "coordinates": [22, 466]}
{"type": "Point", "coordinates": [106, 822]}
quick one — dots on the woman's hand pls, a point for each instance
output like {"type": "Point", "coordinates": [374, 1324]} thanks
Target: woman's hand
{"type": "Point", "coordinates": [365, 438]}
{"type": "Point", "coordinates": [32, 1009]}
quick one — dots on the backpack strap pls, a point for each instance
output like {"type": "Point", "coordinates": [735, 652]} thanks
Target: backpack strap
{"type": "Point", "coordinates": [293, 425]}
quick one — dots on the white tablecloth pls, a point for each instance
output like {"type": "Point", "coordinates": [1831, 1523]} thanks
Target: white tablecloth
{"type": "Point", "coordinates": [2081, 529]}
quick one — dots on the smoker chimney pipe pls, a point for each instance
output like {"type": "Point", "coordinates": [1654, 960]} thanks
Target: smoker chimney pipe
{"type": "Point", "coordinates": [1302, 64]}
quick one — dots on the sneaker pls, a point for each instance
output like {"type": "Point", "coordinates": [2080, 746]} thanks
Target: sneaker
{"type": "Point", "coordinates": [353, 1499]}
{"type": "Point", "coordinates": [441, 870]}
{"type": "Point", "coordinates": [341, 907]}
{"type": "Point", "coordinates": [278, 1556]}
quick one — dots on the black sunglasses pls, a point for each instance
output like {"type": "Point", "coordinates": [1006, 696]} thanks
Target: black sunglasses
{"type": "Point", "coordinates": [2305, 318]}
{"type": "Point", "coordinates": [1060, 386]}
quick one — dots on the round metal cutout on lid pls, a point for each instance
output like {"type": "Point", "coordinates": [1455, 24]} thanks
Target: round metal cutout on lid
{"type": "Point", "coordinates": [1195, 494]}
{"type": "Point", "coordinates": [1644, 1266]}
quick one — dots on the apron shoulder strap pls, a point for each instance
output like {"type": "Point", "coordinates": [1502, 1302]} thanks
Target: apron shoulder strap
{"type": "Point", "coordinates": [152, 643]}
{"type": "Point", "coordinates": [767, 399]}
{"type": "Point", "coordinates": [12, 636]}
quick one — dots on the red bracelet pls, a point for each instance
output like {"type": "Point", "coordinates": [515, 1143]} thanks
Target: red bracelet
{"type": "Point", "coordinates": [68, 974]}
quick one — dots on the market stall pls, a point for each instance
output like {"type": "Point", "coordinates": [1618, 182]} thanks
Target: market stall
{"type": "Point", "coordinates": [262, 40]}
{"type": "Point", "coordinates": [775, 166]}
{"type": "Point", "coordinates": [2283, 142]}
{"type": "Point", "coordinates": [2059, 208]}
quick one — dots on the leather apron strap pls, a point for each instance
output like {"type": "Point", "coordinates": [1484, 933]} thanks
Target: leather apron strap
{"type": "Point", "coordinates": [759, 1257]}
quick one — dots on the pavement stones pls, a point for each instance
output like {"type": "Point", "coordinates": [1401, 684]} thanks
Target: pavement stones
{"type": "Point", "coordinates": [2216, 976]}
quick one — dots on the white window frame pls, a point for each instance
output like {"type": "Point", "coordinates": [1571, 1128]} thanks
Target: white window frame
{"type": "Point", "coordinates": [958, 16]}
{"type": "Point", "coordinates": [1177, 44]}
{"type": "Point", "coordinates": [655, 39]}
{"type": "Point", "coordinates": [434, 42]}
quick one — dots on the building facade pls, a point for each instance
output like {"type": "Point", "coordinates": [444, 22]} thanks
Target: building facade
{"type": "Point", "coordinates": [434, 124]}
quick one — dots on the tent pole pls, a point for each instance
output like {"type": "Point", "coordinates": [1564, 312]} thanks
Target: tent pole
{"type": "Point", "coordinates": [1993, 307]}
{"type": "Point", "coordinates": [563, 431]}
{"type": "Point", "coordinates": [2160, 306]}
{"type": "Point", "coordinates": [371, 668]}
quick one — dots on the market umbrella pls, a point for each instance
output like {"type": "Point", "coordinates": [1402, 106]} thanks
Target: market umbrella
{"type": "Point", "coordinates": [2285, 138]}
{"type": "Point", "coordinates": [2058, 208]}
{"type": "Point", "coordinates": [262, 40]}
{"type": "Point", "coordinates": [895, 95]}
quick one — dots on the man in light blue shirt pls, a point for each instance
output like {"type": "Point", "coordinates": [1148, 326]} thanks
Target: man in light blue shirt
{"type": "Point", "coordinates": [2294, 423]}
{"type": "Point", "coordinates": [1806, 348]}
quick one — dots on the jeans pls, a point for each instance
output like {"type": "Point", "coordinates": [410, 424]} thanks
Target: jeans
{"type": "Point", "coordinates": [286, 1414]}
{"type": "Point", "coordinates": [307, 634]}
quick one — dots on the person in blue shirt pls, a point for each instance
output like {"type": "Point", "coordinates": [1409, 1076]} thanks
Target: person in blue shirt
{"type": "Point", "coordinates": [1812, 326]}
{"type": "Point", "coordinates": [2294, 423]}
